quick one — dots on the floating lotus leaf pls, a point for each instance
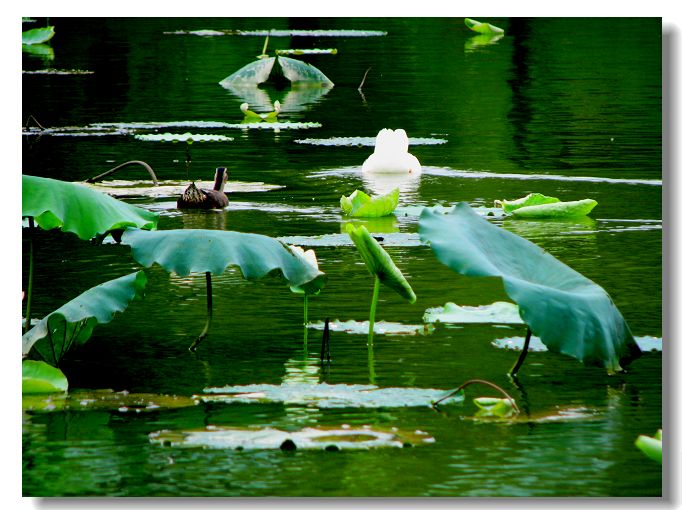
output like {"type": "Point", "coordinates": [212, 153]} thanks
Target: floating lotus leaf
{"type": "Point", "coordinates": [168, 189]}
{"type": "Point", "coordinates": [491, 406]}
{"type": "Point", "coordinates": [327, 395]}
{"type": "Point", "coordinates": [301, 73]}
{"type": "Point", "coordinates": [530, 199]}
{"type": "Point", "coordinates": [307, 51]}
{"type": "Point", "coordinates": [515, 343]}
{"type": "Point", "coordinates": [548, 292]}
{"type": "Point", "coordinates": [499, 312]}
{"type": "Point", "coordinates": [361, 205]}
{"type": "Point", "coordinates": [482, 28]}
{"type": "Point", "coordinates": [557, 210]}
{"type": "Point", "coordinates": [387, 239]}
{"type": "Point", "coordinates": [357, 141]}
{"type": "Point", "coordinates": [185, 137]}
{"type": "Point", "coordinates": [296, 71]}
{"type": "Point", "coordinates": [652, 447]}
{"type": "Point", "coordinates": [330, 439]}
{"type": "Point", "coordinates": [107, 400]}
{"type": "Point", "coordinates": [39, 377]}
{"type": "Point", "coordinates": [380, 327]}
{"type": "Point", "coordinates": [73, 323]}
{"type": "Point", "coordinates": [199, 251]}
{"type": "Point", "coordinates": [251, 74]}
{"type": "Point", "coordinates": [78, 209]}
{"type": "Point", "coordinates": [379, 263]}
{"type": "Point", "coordinates": [37, 35]}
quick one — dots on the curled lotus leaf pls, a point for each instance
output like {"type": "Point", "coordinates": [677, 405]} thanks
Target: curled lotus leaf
{"type": "Point", "coordinates": [531, 199]}
{"type": "Point", "coordinates": [37, 35]}
{"type": "Point", "coordinates": [251, 74]}
{"type": "Point", "coordinates": [482, 28]}
{"type": "Point", "coordinates": [652, 447]}
{"type": "Point", "coordinates": [360, 205]}
{"type": "Point", "coordinates": [557, 210]}
{"type": "Point", "coordinates": [547, 291]}
{"type": "Point", "coordinates": [302, 73]}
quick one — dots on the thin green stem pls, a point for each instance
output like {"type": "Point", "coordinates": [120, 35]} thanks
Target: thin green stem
{"type": "Point", "coordinates": [305, 324]}
{"type": "Point", "coordinates": [209, 311]}
{"type": "Point", "coordinates": [478, 381]}
{"type": "Point", "coordinates": [372, 310]}
{"type": "Point", "coordinates": [29, 292]}
{"type": "Point", "coordinates": [265, 45]}
{"type": "Point", "coordinates": [522, 356]}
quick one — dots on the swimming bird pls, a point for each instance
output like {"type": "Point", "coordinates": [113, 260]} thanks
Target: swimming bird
{"type": "Point", "coordinates": [390, 154]}
{"type": "Point", "coordinates": [196, 198]}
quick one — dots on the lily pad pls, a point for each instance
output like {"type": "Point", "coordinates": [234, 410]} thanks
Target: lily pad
{"type": "Point", "coordinates": [37, 35]}
{"type": "Point", "coordinates": [531, 199]}
{"type": "Point", "coordinates": [557, 210]}
{"type": "Point", "coordinates": [499, 312]}
{"type": "Point", "coordinates": [39, 377]}
{"type": "Point", "coordinates": [515, 343]}
{"type": "Point", "coordinates": [330, 439]}
{"type": "Point", "coordinates": [547, 291]}
{"type": "Point", "coordinates": [387, 239]}
{"type": "Point", "coordinates": [356, 141]}
{"type": "Point", "coordinates": [107, 400]}
{"type": "Point", "coordinates": [282, 33]}
{"type": "Point", "coordinates": [307, 51]}
{"type": "Point", "coordinates": [482, 28]}
{"type": "Point", "coordinates": [172, 189]}
{"type": "Point", "coordinates": [58, 71]}
{"type": "Point", "coordinates": [185, 137]}
{"type": "Point", "coordinates": [361, 205]}
{"type": "Point", "coordinates": [327, 395]}
{"type": "Point", "coordinates": [380, 327]}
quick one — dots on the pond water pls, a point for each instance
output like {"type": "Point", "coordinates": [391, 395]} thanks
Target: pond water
{"type": "Point", "coordinates": [556, 106]}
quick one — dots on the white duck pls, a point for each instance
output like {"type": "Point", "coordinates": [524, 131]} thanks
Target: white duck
{"type": "Point", "coordinates": [390, 154]}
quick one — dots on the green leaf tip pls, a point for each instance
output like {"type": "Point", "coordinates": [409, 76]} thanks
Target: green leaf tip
{"type": "Point", "coordinates": [39, 377]}
{"type": "Point", "coordinates": [482, 28]}
{"type": "Point", "coordinates": [379, 262]}
{"type": "Point", "coordinates": [360, 205]}
{"type": "Point", "coordinates": [537, 205]}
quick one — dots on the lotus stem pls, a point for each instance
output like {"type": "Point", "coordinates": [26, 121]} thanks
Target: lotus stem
{"type": "Point", "coordinates": [123, 165]}
{"type": "Point", "coordinates": [209, 310]}
{"type": "Point", "coordinates": [29, 292]}
{"type": "Point", "coordinates": [265, 46]}
{"type": "Point", "coordinates": [363, 80]}
{"type": "Point", "coordinates": [478, 381]}
{"type": "Point", "coordinates": [188, 159]}
{"type": "Point", "coordinates": [522, 356]}
{"type": "Point", "coordinates": [305, 323]}
{"type": "Point", "coordinates": [372, 311]}
{"type": "Point", "coordinates": [324, 350]}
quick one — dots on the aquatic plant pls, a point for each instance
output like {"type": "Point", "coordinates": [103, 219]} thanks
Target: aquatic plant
{"type": "Point", "coordinates": [652, 447]}
{"type": "Point", "coordinates": [482, 28]}
{"type": "Point", "coordinates": [537, 205]}
{"type": "Point", "coordinates": [360, 205]}
{"type": "Point", "coordinates": [251, 116]}
{"type": "Point", "coordinates": [547, 291]}
{"type": "Point", "coordinates": [37, 35]}
{"type": "Point", "coordinates": [212, 251]}
{"type": "Point", "coordinates": [39, 377]}
{"type": "Point", "coordinates": [297, 72]}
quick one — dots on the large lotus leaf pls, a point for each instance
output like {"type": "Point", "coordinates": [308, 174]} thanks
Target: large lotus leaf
{"type": "Point", "coordinates": [482, 28]}
{"type": "Point", "coordinates": [301, 73]}
{"type": "Point", "coordinates": [39, 377]}
{"type": "Point", "coordinates": [361, 205]}
{"type": "Point", "coordinates": [107, 400]}
{"type": "Point", "coordinates": [570, 313]}
{"type": "Point", "coordinates": [379, 262]}
{"type": "Point", "coordinates": [37, 35]}
{"type": "Point", "coordinates": [184, 137]}
{"type": "Point", "coordinates": [79, 209]}
{"type": "Point", "coordinates": [200, 251]}
{"type": "Point", "coordinates": [251, 74]}
{"type": "Point", "coordinates": [528, 200]}
{"type": "Point", "coordinates": [557, 210]}
{"type": "Point", "coordinates": [73, 323]}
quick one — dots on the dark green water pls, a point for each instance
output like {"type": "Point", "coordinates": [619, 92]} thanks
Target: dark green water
{"type": "Point", "coordinates": [557, 106]}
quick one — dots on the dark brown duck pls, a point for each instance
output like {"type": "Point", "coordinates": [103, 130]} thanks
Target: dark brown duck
{"type": "Point", "coordinates": [196, 198]}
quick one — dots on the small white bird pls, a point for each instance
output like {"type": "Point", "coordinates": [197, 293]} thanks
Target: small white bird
{"type": "Point", "coordinates": [390, 154]}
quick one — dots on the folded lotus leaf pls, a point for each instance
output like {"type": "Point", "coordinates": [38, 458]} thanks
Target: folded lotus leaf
{"type": "Point", "coordinates": [37, 35]}
{"type": "Point", "coordinates": [570, 313]}
{"type": "Point", "coordinates": [557, 209]}
{"type": "Point", "coordinates": [73, 323]}
{"type": "Point", "coordinates": [530, 199]}
{"type": "Point", "coordinates": [360, 205]}
{"type": "Point", "coordinates": [299, 72]}
{"type": "Point", "coordinates": [78, 209]}
{"type": "Point", "coordinates": [251, 74]}
{"type": "Point", "coordinates": [482, 28]}
{"type": "Point", "coordinates": [39, 377]}
{"type": "Point", "coordinates": [199, 251]}
{"type": "Point", "coordinates": [379, 262]}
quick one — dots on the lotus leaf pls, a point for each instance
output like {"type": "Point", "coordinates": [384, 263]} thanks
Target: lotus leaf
{"type": "Point", "coordinates": [107, 400]}
{"type": "Point", "coordinates": [37, 35]}
{"type": "Point", "coordinates": [652, 447]}
{"type": "Point", "coordinates": [39, 377]}
{"type": "Point", "coordinates": [212, 251]}
{"type": "Point", "coordinates": [185, 137]}
{"type": "Point", "coordinates": [482, 28]}
{"type": "Point", "coordinates": [251, 74]}
{"type": "Point", "coordinates": [78, 209]}
{"type": "Point", "coordinates": [301, 73]}
{"type": "Point", "coordinates": [499, 312]}
{"type": "Point", "coordinates": [379, 263]}
{"type": "Point", "coordinates": [380, 327]}
{"type": "Point", "coordinates": [491, 406]}
{"type": "Point", "coordinates": [547, 291]}
{"type": "Point", "coordinates": [557, 210]}
{"type": "Point", "coordinates": [530, 199]}
{"type": "Point", "coordinates": [307, 51]}
{"type": "Point", "coordinates": [295, 71]}
{"type": "Point", "coordinates": [361, 205]}
{"type": "Point", "coordinates": [73, 323]}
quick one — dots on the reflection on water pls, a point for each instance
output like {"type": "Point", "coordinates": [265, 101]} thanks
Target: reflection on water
{"type": "Point", "coordinates": [296, 99]}
{"type": "Point", "coordinates": [380, 184]}
{"type": "Point", "coordinates": [385, 224]}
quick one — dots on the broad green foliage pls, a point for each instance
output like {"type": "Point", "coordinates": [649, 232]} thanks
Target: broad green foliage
{"type": "Point", "coordinates": [360, 205]}
{"type": "Point", "coordinates": [73, 323]}
{"type": "Point", "coordinates": [652, 447]}
{"type": "Point", "coordinates": [557, 210]}
{"type": "Point", "coordinates": [200, 251]}
{"type": "Point", "coordinates": [78, 209]}
{"type": "Point", "coordinates": [307, 51]}
{"type": "Point", "coordinates": [530, 199]}
{"type": "Point", "coordinates": [296, 71]}
{"type": "Point", "coordinates": [37, 35]}
{"type": "Point", "coordinates": [184, 137]}
{"type": "Point", "coordinates": [547, 291]}
{"type": "Point", "coordinates": [482, 28]}
{"type": "Point", "coordinates": [251, 74]}
{"type": "Point", "coordinates": [379, 263]}
{"type": "Point", "coordinates": [39, 377]}
{"type": "Point", "coordinates": [300, 73]}
{"type": "Point", "coordinates": [499, 312]}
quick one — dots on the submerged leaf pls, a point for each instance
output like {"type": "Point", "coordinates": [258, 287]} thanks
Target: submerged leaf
{"type": "Point", "coordinates": [482, 28]}
{"type": "Point", "coordinates": [557, 210]}
{"type": "Point", "coordinates": [528, 200]}
{"type": "Point", "coordinates": [39, 377]}
{"type": "Point", "coordinates": [251, 74]}
{"type": "Point", "coordinates": [78, 209]}
{"type": "Point", "coordinates": [37, 35]}
{"type": "Point", "coordinates": [73, 323]}
{"type": "Point", "coordinates": [361, 205]}
{"type": "Point", "coordinates": [198, 251]}
{"type": "Point", "coordinates": [379, 262]}
{"type": "Point", "coordinates": [301, 73]}
{"type": "Point", "coordinates": [548, 292]}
